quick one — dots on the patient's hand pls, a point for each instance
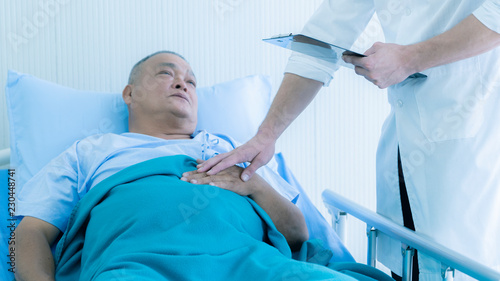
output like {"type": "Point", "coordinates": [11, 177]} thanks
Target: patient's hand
{"type": "Point", "coordinates": [285, 215]}
{"type": "Point", "coordinates": [228, 179]}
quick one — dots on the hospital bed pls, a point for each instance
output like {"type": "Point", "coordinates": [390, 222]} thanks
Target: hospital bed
{"type": "Point", "coordinates": [35, 120]}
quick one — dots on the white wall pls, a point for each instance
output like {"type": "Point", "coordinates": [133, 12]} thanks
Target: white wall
{"type": "Point", "coordinates": [92, 44]}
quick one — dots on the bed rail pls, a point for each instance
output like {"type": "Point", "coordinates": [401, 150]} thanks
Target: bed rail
{"type": "Point", "coordinates": [4, 156]}
{"type": "Point", "coordinates": [410, 240]}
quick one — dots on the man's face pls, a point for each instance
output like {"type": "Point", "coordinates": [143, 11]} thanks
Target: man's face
{"type": "Point", "coordinates": [165, 88]}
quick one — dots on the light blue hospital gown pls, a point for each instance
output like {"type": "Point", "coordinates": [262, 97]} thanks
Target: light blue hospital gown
{"type": "Point", "coordinates": [53, 192]}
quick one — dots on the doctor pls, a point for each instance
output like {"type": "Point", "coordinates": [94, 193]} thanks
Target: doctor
{"type": "Point", "coordinates": [440, 143]}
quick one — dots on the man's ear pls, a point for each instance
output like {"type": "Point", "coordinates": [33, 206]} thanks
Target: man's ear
{"type": "Point", "coordinates": [127, 94]}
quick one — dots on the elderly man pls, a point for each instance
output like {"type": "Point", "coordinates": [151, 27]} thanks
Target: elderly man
{"type": "Point", "coordinates": [124, 207]}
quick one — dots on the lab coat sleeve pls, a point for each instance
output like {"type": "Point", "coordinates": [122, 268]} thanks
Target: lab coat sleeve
{"type": "Point", "coordinates": [339, 22]}
{"type": "Point", "coordinates": [489, 14]}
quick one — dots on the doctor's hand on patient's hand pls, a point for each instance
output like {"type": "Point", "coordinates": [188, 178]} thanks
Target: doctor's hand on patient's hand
{"type": "Point", "coordinates": [385, 64]}
{"type": "Point", "coordinates": [258, 151]}
{"type": "Point", "coordinates": [228, 179]}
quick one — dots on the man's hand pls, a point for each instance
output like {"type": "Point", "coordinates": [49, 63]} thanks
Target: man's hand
{"type": "Point", "coordinates": [293, 96]}
{"type": "Point", "coordinates": [384, 64]}
{"type": "Point", "coordinates": [258, 151]}
{"type": "Point", "coordinates": [288, 219]}
{"type": "Point", "coordinates": [228, 179]}
{"type": "Point", "coordinates": [389, 64]}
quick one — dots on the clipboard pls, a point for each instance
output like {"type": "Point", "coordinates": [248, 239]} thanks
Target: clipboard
{"type": "Point", "coordinates": [318, 49]}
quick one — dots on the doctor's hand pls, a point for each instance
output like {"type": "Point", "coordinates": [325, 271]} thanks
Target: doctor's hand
{"type": "Point", "coordinates": [385, 64]}
{"type": "Point", "coordinates": [258, 151]}
{"type": "Point", "coordinates": [228, 179]}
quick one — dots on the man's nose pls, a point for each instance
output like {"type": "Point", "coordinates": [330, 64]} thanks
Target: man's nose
{"type": "Point", "coordinates": [180, 84]}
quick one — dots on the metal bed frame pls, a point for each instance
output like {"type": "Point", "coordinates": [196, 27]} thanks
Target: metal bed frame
{"type": "Point", "coordinates": [339, 206]}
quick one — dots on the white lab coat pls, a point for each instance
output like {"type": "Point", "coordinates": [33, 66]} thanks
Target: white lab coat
{"type": "Point", "coordinates": [447, 126]}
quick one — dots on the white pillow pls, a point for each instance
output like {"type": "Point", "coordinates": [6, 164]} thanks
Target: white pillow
{"type": "Point", "coordinates": [46, 118]}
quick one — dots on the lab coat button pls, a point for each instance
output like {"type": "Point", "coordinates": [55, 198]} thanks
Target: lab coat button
{"type": "Point", "coordinates": [399, 103]}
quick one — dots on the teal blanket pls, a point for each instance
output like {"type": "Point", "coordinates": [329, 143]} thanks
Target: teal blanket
{"type": "Point", "coordinates": [144, 223]}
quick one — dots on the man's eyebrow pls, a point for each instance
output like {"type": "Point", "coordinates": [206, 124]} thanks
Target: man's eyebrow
{"type": "Point", "coordinates": [167, 64]}
{"type": "Point", "coordinates": [174, 66]}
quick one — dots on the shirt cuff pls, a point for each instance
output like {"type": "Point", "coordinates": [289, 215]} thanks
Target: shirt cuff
{"type": "Point", "coordinates": [54, 216]}
{"type": "Point", "coordinates": [311, 68]}
{"type": "Point", "coordinates": [489, 14]}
